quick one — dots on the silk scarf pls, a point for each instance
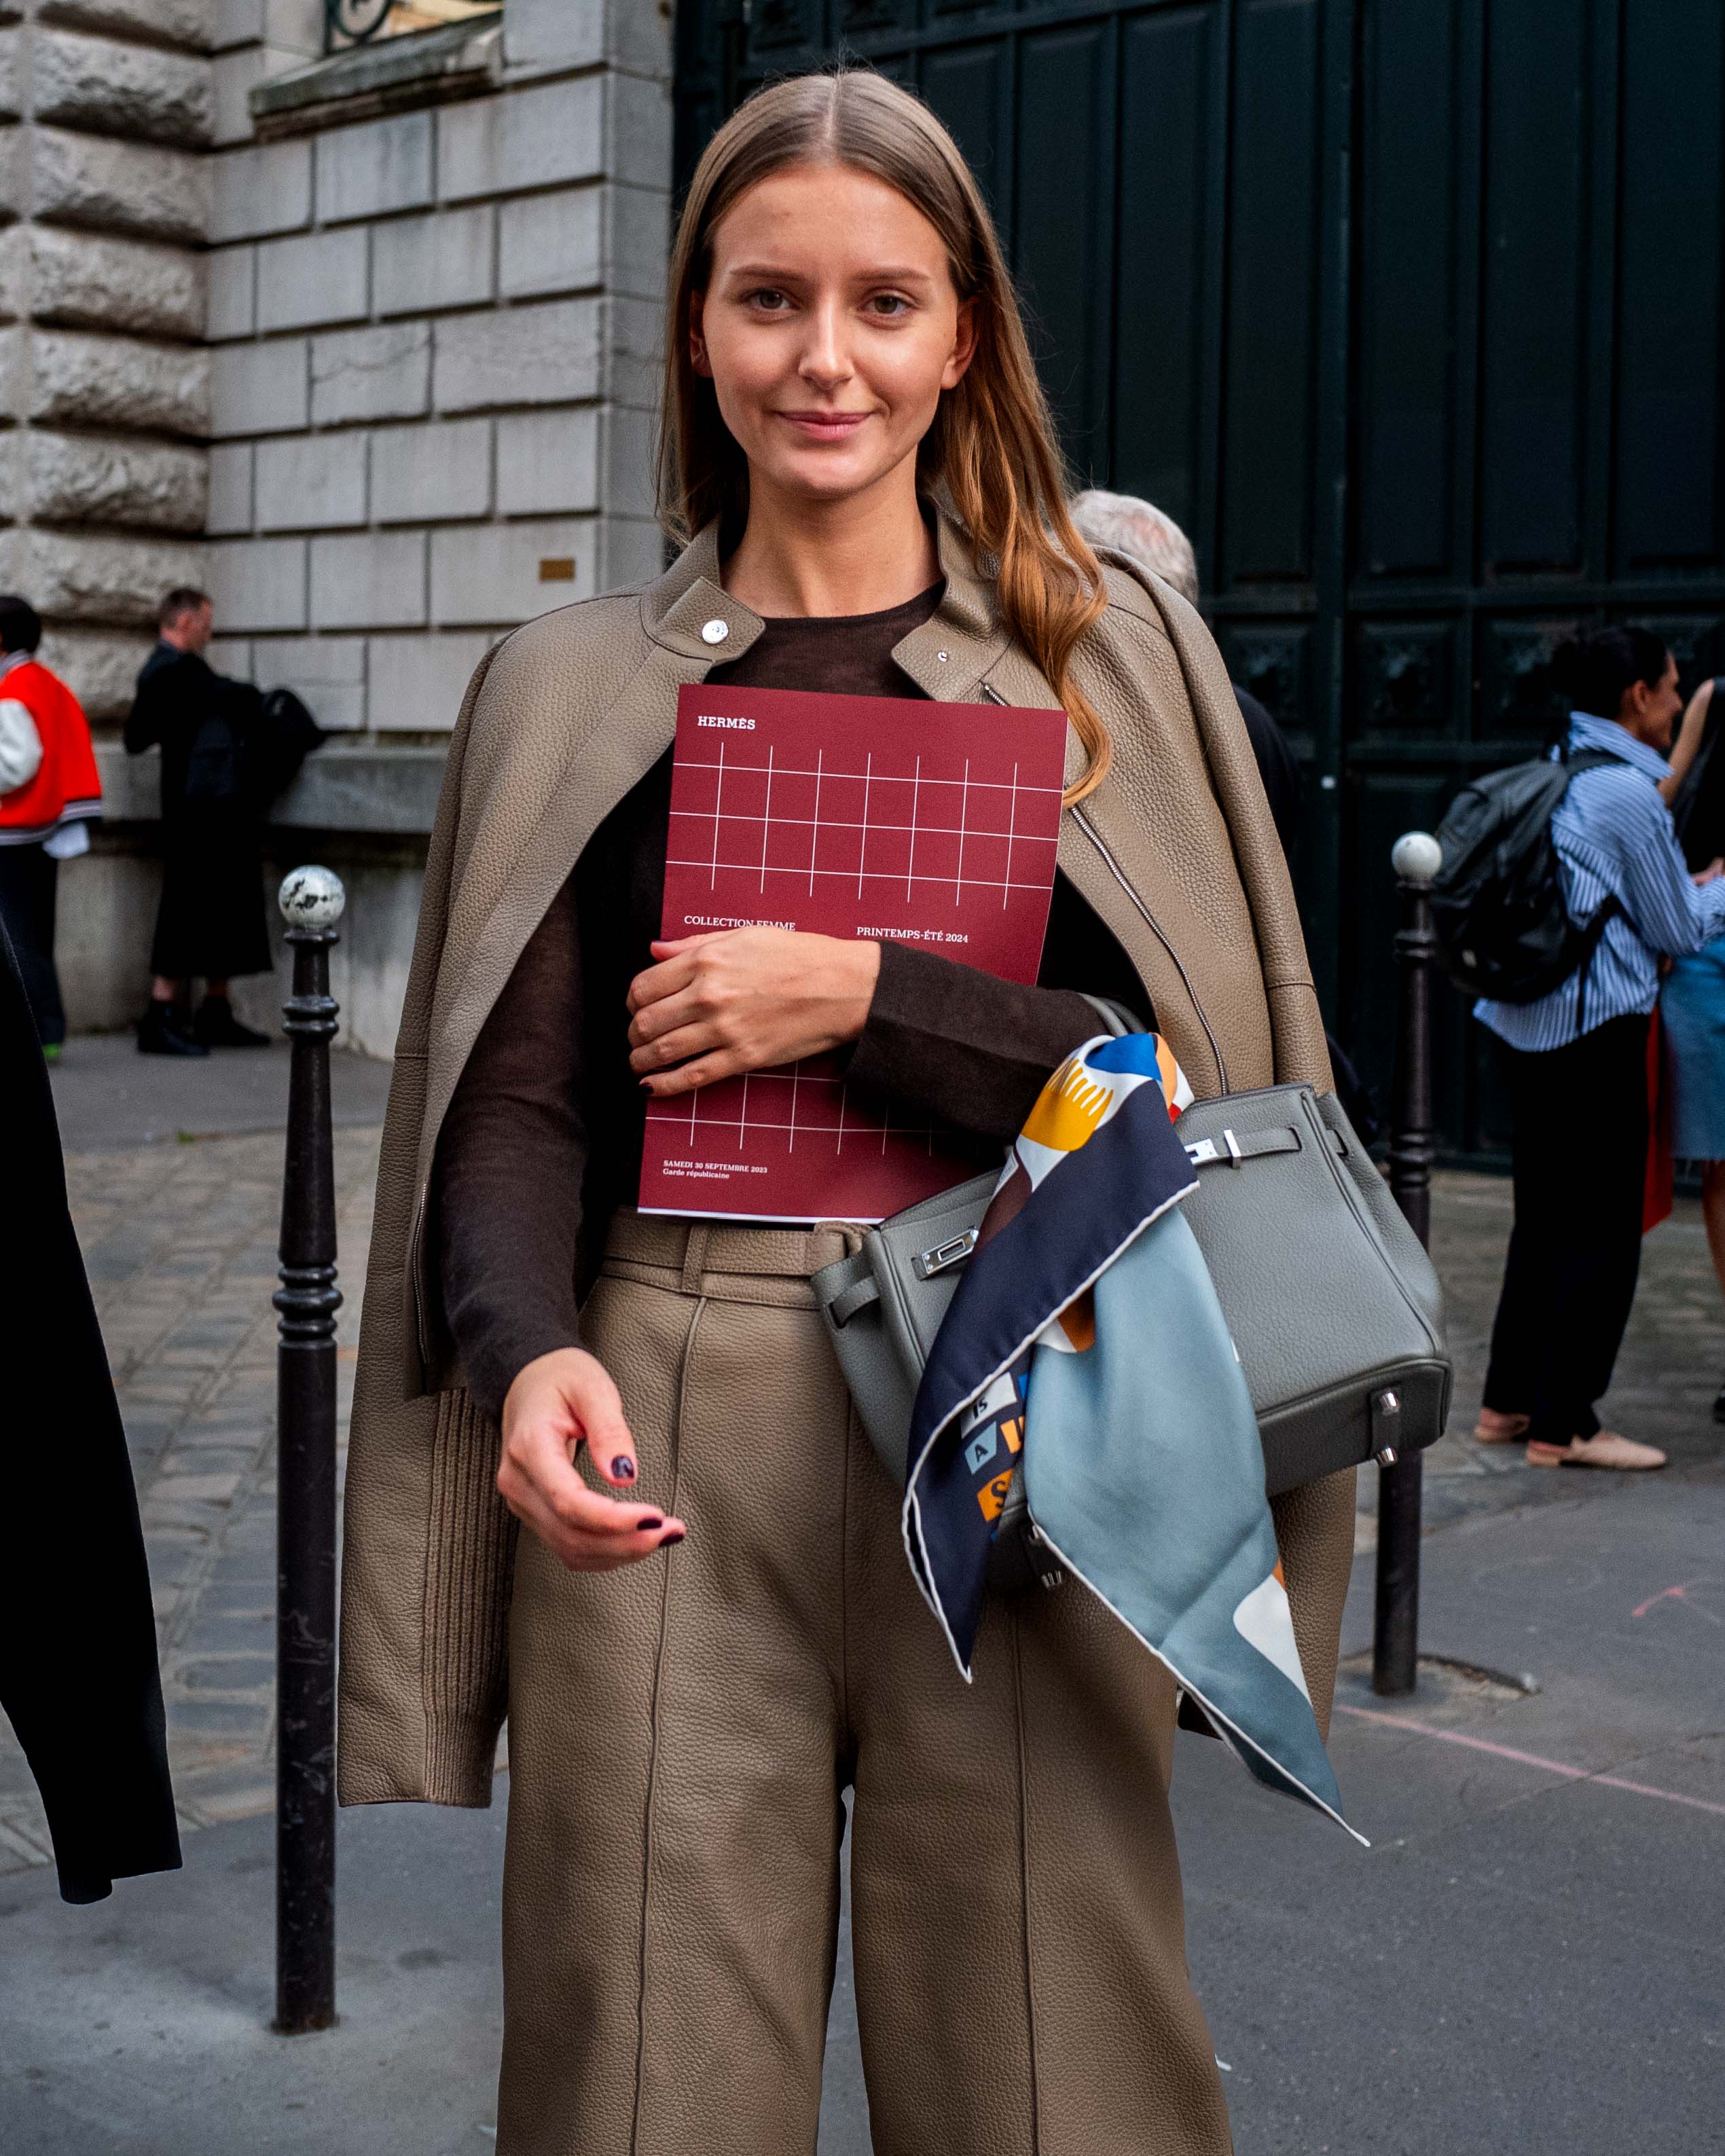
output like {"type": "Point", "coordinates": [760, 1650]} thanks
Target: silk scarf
{"type": "Point", "coordinates": [1085, 1349]}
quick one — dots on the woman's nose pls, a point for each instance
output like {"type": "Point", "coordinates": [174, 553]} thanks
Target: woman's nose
{"type": "Point", "coordinates": [824, 359]}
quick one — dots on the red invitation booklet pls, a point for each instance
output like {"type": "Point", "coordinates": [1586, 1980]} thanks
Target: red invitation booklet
{"type": "Point", "coordinates": [893, 820]}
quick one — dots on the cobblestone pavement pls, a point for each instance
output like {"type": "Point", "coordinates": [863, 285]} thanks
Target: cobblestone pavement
{"type": "Point", "coordinates": [179, 1239]}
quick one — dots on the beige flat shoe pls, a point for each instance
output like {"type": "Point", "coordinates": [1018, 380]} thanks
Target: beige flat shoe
{"type": "Point", "coordinates": [1495, 1428]}
{"type": "Point", "coordinates": [1607, 1449]}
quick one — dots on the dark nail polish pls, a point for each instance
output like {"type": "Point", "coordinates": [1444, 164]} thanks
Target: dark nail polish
{"type": "Point", "coordinates": [623, 1468]}
{"type": "Point", "coordinates": [648, 1527]}
{"type": "Point", "coordinates": [675, 1535]}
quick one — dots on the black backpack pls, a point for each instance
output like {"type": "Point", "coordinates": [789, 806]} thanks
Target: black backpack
{"type": "Point", "coordinates": [1497, 902]}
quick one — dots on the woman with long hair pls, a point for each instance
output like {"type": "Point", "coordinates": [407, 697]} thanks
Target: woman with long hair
{"type": "Point", "coordinates": [709, 1630]}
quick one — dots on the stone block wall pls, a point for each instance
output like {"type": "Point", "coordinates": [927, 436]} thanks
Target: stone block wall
{"type": "Point", "coordinates": [365, 343]}
{"type": "Point", "coordinates": [431, 411]}
{"type": "Point", "coordinates": [109, 113]}
{"type": "Point", "coordinates": [433, 302]}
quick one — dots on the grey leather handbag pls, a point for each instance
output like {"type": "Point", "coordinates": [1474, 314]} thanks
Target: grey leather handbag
{"type": "Point", "coordinates": [1335, 1308]}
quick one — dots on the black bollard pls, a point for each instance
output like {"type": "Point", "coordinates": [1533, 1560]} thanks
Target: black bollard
{"type": "Point", "coordinates": [1412, 1148]}
{"type": "Point", "coordinates": [312, 903]}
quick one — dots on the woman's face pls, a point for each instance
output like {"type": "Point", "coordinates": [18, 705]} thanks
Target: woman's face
{"type": "Point", "coordinates": [1650, 712]}
{"type": "Point", "coordinates": [829, 326]}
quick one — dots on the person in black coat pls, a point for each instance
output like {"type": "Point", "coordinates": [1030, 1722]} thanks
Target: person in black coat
{"type": "Point", "coordinates": [79, 1678]}
{"type": "Point", "coordinates": [226, 752]}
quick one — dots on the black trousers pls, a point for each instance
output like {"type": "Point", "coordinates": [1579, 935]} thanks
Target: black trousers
{"type": "Point", "coordinates": [1580, 1118]}
{"type": "Point", "coordinates": [210, 924]}
{"type": "Point", "coordinates": [29, 879]}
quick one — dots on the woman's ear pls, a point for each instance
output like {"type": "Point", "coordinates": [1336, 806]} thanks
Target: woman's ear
{"type": "Point", "coordinates": [697, 343]}
{"type": "Point", "coordinates": [963, 346]}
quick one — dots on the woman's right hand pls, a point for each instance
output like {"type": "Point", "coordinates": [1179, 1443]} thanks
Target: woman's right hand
{"type": "Point", "coordinates": [558, 1402]}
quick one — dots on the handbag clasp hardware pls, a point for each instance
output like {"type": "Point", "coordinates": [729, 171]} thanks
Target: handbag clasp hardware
{"type": "Point", "coordinates": [1206, 1150]}
{"type": "Point", "coordinates": [944, 1255]}
{"type": "Point", "coordinates": [1386, 1407]}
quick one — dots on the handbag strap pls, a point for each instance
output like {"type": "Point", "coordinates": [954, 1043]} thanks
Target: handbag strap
{"type": "Point", "coordinates": [860, 1293]}
{"type": "Point", "coordinates": [1118, 1019]}
{"type": "Point", "coordinates": [1281, 1138]}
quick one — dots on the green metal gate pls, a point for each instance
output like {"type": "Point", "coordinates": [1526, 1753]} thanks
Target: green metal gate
{"type": "Point", "coordinates": [1409, 310]}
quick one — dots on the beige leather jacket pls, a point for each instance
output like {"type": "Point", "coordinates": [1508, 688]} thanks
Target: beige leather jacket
{"type": "Point", "coordinates": [1175, 851]}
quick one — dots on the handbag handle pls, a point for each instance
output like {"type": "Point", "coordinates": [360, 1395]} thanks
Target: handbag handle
{"type": "Point", "coordinates": [1115, 1016]}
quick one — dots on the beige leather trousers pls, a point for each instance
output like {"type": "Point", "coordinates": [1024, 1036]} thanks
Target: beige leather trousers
{"type": "Point", "coordinates": [680, 1732]}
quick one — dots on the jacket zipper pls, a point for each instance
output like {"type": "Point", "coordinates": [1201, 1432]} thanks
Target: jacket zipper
{"type": "Point", "coordinates": [991, 695]}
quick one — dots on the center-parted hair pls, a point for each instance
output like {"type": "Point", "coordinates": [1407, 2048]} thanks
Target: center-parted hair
{"type": "Point", "coordinates": [992, 448]}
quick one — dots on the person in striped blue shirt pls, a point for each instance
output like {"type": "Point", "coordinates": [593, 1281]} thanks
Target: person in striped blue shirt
{"type": "Point", "coordinates": [1575, 1065]}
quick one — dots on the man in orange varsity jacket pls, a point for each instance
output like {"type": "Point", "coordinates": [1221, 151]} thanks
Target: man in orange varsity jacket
{"type": "Point", "coordinates": [49, 795]}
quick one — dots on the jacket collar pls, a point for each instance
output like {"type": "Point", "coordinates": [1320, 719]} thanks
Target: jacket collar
{"type": "Point", "coordinates": [1586, 731]}
{"type": "Point", "coordinates": [947, 657]}
{"type": "Point", "coordinates": [689, 598]}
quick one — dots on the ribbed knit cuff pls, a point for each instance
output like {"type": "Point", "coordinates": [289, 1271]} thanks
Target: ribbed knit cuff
{"type": "Point", "coordinates": [967, 1047]}
{"type": "Point", "coordinates": [468, 1584]}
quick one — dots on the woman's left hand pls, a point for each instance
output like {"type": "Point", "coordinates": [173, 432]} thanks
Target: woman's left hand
{"type": "Point", "coordinates": [745, 999]}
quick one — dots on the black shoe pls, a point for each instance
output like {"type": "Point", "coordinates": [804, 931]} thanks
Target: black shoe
{"type": "Point", "coordinates": [161, 1032]}
{"type": "Point", "coordinates": [1719, 1406]}
{"type": "Point", "coordinates": [215, 1026]}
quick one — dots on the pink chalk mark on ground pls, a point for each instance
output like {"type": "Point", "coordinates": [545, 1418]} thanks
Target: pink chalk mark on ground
{"type": "Point", "coordinates": [1529, 1758]}
{"type": "Point", "coordinates": [1680, 1594]}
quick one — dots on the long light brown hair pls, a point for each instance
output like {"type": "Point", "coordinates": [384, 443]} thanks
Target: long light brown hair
{"type": "Point", "coordinates": [991, 449]}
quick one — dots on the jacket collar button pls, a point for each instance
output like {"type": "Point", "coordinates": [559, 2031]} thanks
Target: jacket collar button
{"type": "Point", "coordinates": [715, 631]}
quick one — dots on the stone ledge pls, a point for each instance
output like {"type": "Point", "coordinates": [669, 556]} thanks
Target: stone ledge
{"type": "Point", "coordinates": [365, 789]}
{"type": "Point", "coordinates": [427, 67]}
{"type": "Point", "coordinates": [179, 25]}
{"type": "Point", "coordinates": [383, 790]}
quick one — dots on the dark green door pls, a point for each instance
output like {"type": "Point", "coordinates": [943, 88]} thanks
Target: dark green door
{"type": "Point", "coordinates": [1409, 310]}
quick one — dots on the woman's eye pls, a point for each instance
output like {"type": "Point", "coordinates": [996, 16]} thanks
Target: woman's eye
{"type": "Point", "coordinates": [768, 300]}
{"type": "Point", "coordinates": [890, 305]}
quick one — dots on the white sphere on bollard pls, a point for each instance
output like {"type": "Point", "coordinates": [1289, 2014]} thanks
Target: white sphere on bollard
{"type": "Point", "coordinates": [1416, 857]}
{"type": "Point", "coordinates": [311, 898]}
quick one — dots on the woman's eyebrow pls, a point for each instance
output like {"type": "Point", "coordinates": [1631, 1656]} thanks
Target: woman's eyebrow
{"type": "Point", "coordinates": [766, 273]}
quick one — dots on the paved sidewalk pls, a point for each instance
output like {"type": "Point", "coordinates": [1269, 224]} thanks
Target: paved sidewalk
{"type": "Point", "coordinates": [1672, 1360]}
{"type": "Point", "coordinates": [1530, 1955]}
{"type": "Point", "coordinates": [1530, 1958]}
{"type": "Point", "coordinates": [110, 1099]}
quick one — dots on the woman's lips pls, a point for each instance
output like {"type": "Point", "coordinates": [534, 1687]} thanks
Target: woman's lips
{"type": "Point", "coordinates": [825, 426]}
